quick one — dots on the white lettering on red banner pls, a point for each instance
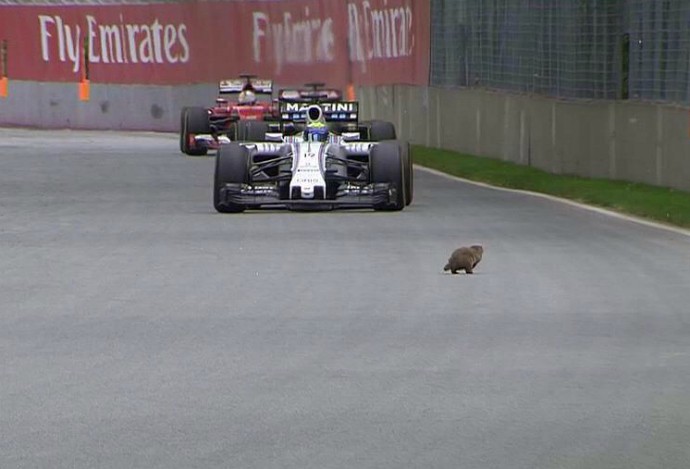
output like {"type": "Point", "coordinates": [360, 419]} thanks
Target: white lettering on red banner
{"type": "Point", "coordinates": [120, 43]}
{"type": "Point", "coordinates": [382, 33]}
{"type": "Point", "coordinates": [302, 40]}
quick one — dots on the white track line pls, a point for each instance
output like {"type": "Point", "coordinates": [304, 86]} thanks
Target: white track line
{"type": "Point", "coordinates": [591, 208]}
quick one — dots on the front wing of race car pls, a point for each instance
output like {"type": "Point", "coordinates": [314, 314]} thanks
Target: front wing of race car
{"type": "Point", "coordinates": [250, 196]}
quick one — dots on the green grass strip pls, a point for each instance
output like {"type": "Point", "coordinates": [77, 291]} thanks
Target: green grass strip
{"type": "Point", "coordinates": [665, 205]}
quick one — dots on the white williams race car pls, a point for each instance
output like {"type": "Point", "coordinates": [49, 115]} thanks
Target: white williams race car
{"type": "Point", "coordinates": [318, 157]}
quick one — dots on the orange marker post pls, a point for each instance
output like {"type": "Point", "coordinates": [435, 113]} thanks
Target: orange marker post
{"type": "Point", "coordinates": [3, 69]}
{"type": "Point", "coordinates": [350, 92]}
{"type": "Point", "coordinates": [84, 90]}
{"type": "Point", "coordinates": [84, 86]}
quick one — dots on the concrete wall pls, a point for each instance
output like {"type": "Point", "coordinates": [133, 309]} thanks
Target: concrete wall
{"type": "Point", "coordinates": [601, 139]}
{"type": "Point", "coordinates": [130, 107]}
{"type": "Point", "coordinates": [618, 140]}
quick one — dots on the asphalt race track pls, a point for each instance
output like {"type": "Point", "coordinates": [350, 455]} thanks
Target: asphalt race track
{"type": "Point", "coordinates": [139, 328]}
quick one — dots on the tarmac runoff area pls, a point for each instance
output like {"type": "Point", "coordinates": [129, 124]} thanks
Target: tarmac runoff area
{"type": "Point", "coordinates": [140, 328]}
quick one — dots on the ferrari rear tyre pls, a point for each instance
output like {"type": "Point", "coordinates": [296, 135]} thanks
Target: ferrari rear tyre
{"type": "Point", "coordinates": [232, 167]}
{"type": "Point", "coordinates": [231, 132]}
{"type": "Point", "coordinates": [183, 116]}
{"type": "Point", "coordinates": [193, 121]}
{"type": "Point", "coordinates": [197, 121]}
{"type": "Point", "coordinates": [386, 166]}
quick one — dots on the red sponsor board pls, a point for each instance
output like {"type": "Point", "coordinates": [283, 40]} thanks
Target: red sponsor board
{"type": "Point", "coordinates": [389, 41]}
{"type": "Point", "coordinates": [292, 41]}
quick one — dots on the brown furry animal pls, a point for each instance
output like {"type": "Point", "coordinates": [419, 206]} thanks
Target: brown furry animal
{"type": "Point", "coordinates": [464, 258]}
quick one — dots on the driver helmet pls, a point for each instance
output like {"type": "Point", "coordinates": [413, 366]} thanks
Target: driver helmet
{"type": "Point", "coordinates": [247, 97]}
{"type": "Point", "coordinates": [317, 132]}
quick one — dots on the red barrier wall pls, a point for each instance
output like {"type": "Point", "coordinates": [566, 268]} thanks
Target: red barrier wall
{"type": "Point", "coordinates": [370, 42]}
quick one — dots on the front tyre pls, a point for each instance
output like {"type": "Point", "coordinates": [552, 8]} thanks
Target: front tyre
{"type": "Point", "coordinates": [232, 167]}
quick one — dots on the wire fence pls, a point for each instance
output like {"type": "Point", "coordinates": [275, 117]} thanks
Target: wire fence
{"type": "Point", "coordinates": [594, 49]}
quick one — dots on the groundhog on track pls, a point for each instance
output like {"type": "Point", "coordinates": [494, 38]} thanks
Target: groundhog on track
{"type": "Point", "coordinates": [464, 258]}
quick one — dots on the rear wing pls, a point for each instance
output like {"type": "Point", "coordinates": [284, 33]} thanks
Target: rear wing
{"type": "Point", "coordinates": [341, 111]}
{"type": "Point", "coordinates": [237, 85]}
{"type": "Point", "coordinates": [310, 96]}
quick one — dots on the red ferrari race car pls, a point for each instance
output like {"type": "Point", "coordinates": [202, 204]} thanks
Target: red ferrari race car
{"type": "Point", "coordinates": [240, 102]}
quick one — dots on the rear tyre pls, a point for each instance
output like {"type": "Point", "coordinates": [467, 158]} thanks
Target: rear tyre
{"type": "Point", "coordinates": [231, 133]}
{"type": "Point", "coordinates": [232, 167]}
{"type": "Point", "coordinates": [386, 166]}
{"type": "Point", "coordinates": [193, 121]}
{"type": "Point", "coordinates": [197, 120]}
{"type": "Point", "coordinates": [183, 137]}
{"type": "Point", "coordinates": [251, 131]}
{"type": "Point", "coordinates": [380, 130]}
{"type": "Point", "coordinates": [409, 173]}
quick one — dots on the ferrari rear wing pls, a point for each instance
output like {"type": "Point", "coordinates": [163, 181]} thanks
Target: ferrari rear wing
{"type": "Point", "coordinates": [237, 85]}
